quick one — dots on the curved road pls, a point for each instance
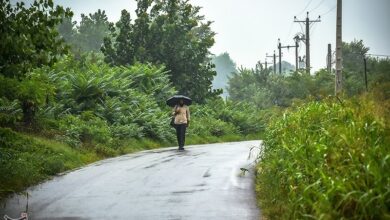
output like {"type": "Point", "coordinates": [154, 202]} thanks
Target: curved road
{"type": "Point", "coordinates": [203, 182]}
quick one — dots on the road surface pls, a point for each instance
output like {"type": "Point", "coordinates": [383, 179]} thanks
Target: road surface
{"type": "Point", "coordinates": [203, 182]}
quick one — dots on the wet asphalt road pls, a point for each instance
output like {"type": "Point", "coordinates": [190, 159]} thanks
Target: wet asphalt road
{"type": "Point", "coordinates": [203, 182]}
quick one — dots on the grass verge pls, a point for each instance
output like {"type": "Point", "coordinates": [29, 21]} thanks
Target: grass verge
{"type": "Point", "coordinates": [327, 160]}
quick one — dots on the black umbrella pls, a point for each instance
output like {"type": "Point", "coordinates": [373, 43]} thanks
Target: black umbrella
{"type": "Point", "coordinates": [174, 100]}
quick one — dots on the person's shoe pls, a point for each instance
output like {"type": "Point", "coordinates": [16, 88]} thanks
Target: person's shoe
{"type": "Point", "coordinates": [181, 148]}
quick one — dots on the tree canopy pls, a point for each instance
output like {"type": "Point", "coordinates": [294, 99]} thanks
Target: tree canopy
{"type": "Point", "coordinates": [89, 34]}
{"type": "Point", "coordinates": [28, 36]}
{"type": "Point", "coordinates": [172, 33]}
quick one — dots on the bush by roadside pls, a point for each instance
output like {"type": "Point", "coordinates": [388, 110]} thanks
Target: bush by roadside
{"type": "Point", "coordinates": [328, 160]}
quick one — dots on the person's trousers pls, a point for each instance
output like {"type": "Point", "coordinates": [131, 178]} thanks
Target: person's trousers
{"type": "Point", "coordinates": [181, 134]}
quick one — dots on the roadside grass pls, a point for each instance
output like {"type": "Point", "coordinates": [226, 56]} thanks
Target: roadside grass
{"type": "Point", "coordinates": [28, 159]}
{"type": "Point", "coordinates": [327, 160]}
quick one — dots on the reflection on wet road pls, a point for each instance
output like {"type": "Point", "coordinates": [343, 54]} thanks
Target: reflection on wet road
{"type": "Point", "coordinates": [203, 182]}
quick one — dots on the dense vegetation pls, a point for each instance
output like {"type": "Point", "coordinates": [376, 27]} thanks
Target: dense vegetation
{"type": "Point", "coordinates": [328, 160]}
{"type": "Point", "coordinates": [172, 33]}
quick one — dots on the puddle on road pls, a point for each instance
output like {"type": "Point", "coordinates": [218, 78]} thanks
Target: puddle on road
{"type": "Point", "coordinates": [207, 173]}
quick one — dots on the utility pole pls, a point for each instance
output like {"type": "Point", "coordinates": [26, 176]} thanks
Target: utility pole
{"type": "Point", "coordinates": [297, 39]}
{"type": "Point", "coordinates": [307, 22]}
{"type": "Point", "coordinates": [280, 47]}
{"type": "Point", "coordinates": [274, 60]}
{"type": "Point", "coordinates": [329, 58]}
{"type": "Point", "coordinates": [280, 56]}
{"type": "Point", "coordinates": [338, 82]}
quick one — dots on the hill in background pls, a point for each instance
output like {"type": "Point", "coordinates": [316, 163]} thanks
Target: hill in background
{"type": "Point", "coordinates": [224, 66]}
{"type": "Point", "coordinates": [286, 67]}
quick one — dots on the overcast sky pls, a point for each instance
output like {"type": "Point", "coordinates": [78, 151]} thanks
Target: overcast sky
{"type": "Point", "coordinates": [248, 29]}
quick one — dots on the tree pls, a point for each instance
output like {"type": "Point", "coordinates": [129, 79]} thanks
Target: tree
{"type": "Point", "coordinates": [353, 54]}
{"type": "Point", "coordinates": [118, 48]}
{"type": "Point", "coordinates": [353, 66]}
{"type": "Point", "coordinates": [92, 30]}
{"type": "Point", "coordinates": [67, 30]}
{"type": "Point", "coordinates": [172, 33]}
{"type": "Point", "coordinates": [89, 35]}
{"type": "Point", "coordinates": [185, 48]}
{"type": "Point", "coordinates": [29, 37]}
{"type": "Point", "coordinates": [252, 86]}
{"type": "Point", "coordinates": [140, 37]}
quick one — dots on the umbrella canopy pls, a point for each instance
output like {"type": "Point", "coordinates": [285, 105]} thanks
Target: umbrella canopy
{"type": "Point", "coordinates": [174, 100]}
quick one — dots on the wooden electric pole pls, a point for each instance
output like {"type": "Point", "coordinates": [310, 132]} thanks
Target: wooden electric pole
{"type": "Point", "coordinates": [280, 56]}
{"type": "Point", "coordinates": [339, 61]}
{"type": "Point", "coordinates": [297, 39]}
{"type": "Point", "coordinates": [307, 22]}
{"type": "Point", "coordinates": [329, 58]}
{"type": "Point", "coordinates": [274, 60]}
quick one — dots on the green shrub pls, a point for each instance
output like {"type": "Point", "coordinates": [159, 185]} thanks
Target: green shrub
{"type": "Point", "coordinates": [246, 117]}
{"type": "Point", "coordinates": [53, 166]}
{"type": "Point", "coordinates": [327, 160]}
{"type": "Point", "coordinates": [86, 128]}
{"type": "Point", "coordinates": [10, 112]}
{"type": "Point", "coordinates": [208, 126]}
{"type": "Point", "coordinates": [128, 131]}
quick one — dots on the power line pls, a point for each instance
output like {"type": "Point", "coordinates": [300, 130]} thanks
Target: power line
{"type": "Point", "coordinates": [305, 8]}
{"type": "Point", "coordinates": [289, 31]}
{"type": "Point", "coordinates": [333, 8]}
{"type": "Point", "coordinates": [317, 6]}
{"type": "Point", "coordinates": [367, 54]}
{"type": "Point", "coordinates": [377, 55]}
{"type": "Point", "coordinates": [302, 28]}
{"type": "Point", "coordinates": [313, 27]}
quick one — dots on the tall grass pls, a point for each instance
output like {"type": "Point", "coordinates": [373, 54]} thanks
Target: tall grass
{"type": "Point", "coordinates": [327, 160]}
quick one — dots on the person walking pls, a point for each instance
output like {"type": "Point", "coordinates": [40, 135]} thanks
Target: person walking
{"type": "Point", "coordinates": [181, 113]}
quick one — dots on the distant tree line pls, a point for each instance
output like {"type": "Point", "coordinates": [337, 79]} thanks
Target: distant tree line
{"type": "Point", "coordinates": [265, 89]}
